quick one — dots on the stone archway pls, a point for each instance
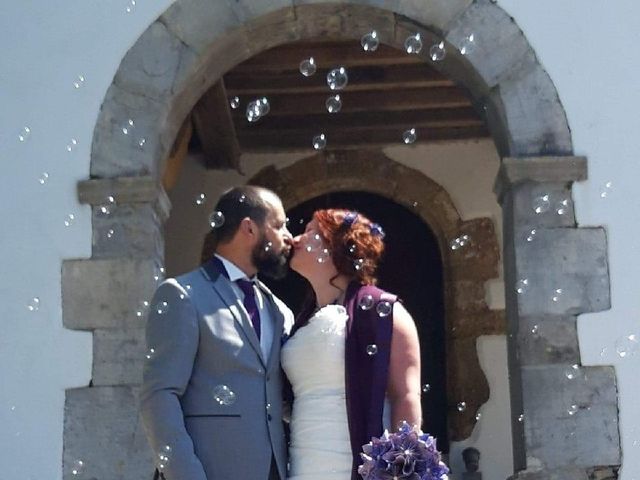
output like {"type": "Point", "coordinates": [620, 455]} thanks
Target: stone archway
{"type": "Point", "coordinates": [466, 270]}
{"type": "Point", "coordinates": [181, 55]}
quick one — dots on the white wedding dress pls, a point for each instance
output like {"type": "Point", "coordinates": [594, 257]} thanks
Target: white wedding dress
{"type": "Point", "coordinates": [313, 359]}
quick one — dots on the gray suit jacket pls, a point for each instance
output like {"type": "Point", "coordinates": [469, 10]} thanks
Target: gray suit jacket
{"type": "Point", "coordinates": [203, 340]}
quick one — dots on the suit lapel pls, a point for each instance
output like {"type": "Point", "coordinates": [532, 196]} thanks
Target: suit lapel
{"type": "Point", "coordinates": [278, 324]}
{"type": "Point", "coordinates": [222, 287]}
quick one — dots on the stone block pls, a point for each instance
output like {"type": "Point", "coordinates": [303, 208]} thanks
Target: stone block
{"type": "Point", "coordinates": [118, 357]}
{"type": "Point", "coordinates": [334, 19]}
{"type": "Point", "coordinates": [435, 15]}
{"type": "Point", "coordinates": [102, 428]}
{"type": "Point", "coordinates": [563, 271]}
{"type": "Point", "coordinates": [249, 11]}
{"type": "Point", "coordinates": [106, 294]}
{"type": "Point", "coordinates": [532, 109]}
{"type": "Point", "coordinates": [133, 230]}
{"type": "Point", "coordinates": [198, 23]}
{"type": "Point", "coordinates": [564, 473]}
{"type": "Point", "coordinates": [127, 139]}
{"type": "Point", "coordinates": [150, 66]}
{"type": "Point", "coordinates": [548, 340]}
{"type": "Point", "coordinates": [561, 412]}
{"type": "Point", "coordinates": [499, 41]}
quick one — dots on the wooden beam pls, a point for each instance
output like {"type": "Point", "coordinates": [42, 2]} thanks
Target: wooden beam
{"type": "Point", "coordinates": [215, 129]}
{"type": "Point", "coordinates": [411, 98]}
{"type": "Point", "coordinates": [327, 54]}
{"type": "Point", "coordinates": [268, 141]}
{"type": "Point", "coordinates": [373, 77]}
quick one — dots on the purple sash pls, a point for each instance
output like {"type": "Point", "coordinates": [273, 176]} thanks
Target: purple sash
{"type": "Point", "coordinates": [366, 374]}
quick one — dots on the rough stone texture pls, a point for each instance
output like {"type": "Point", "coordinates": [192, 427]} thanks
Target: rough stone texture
{"type": "Point", "coordinates": [541, 170]}
{"type": "Point", "coordinates": [118, 356]}
{"type": "Point", "coordinates": [102, 428]}
{"type": "Point", "coordinates": [474, 252]}
{"type": "Point", "coordinates": [114, 153]}
{"type": "Point", "coordinates": [537, 123]}
{"type": "Point", "coordinates": [149, 67]}
{"type": "Point", "coordinates": [555, 436]}
{"type": "Point", "coordinates": [435, 15]}
{"type": "Point", "coordinates": [548, 340]}
{"type": "Point", "coordinates": [566, 270]}
{"type": "Point", "coordinates": [133, 230]}
{"type": "Point", "coordinates": [106, 294]}
{"type": "Point", "coordinates": [563, 473]}
{"type": "Point", "coordinates": [500, 44]}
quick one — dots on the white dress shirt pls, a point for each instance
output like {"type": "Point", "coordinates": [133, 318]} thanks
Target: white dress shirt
{"type": "Point", "coordinates": [266, 322]}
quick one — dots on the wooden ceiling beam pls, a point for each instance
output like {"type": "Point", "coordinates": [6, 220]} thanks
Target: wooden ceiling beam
{"type": "Point", "coordinates": [215, 128]}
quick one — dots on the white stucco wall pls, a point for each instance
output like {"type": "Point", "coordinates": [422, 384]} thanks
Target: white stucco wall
{"type": "Point", "coordinates": [589, 48]}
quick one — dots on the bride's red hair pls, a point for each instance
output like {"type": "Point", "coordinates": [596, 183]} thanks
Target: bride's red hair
{"type": "Point", "coordinates": [355, 243]}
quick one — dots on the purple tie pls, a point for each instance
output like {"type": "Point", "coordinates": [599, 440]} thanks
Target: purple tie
{"type": "Point", "coordinates": [250, 303]}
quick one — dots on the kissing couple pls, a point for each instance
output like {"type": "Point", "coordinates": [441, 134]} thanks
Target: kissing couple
{"type": "Point", "coordinates": [229, 361]}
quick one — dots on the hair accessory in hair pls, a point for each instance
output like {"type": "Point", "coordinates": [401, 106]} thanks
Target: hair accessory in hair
{"type": "Point", "coordinates": [350, 218]}
{"type": "Point", "coordinates": [376, 230]}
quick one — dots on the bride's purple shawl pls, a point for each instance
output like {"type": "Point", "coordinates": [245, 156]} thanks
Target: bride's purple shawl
{"type": "Point", "coordinates": [366, 375]}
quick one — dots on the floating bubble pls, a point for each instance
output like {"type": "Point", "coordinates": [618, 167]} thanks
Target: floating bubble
{"type": "Point", "coordinates": [627, 346]}
{"type": "Point", "coordinates": [257, 109]}
{"type": "Point", "coordinates": [606, 189]}
{"type": "Point", "coordinates": [24, 134]}
{"type": "Point", "coordinates": [413, 44]}
{"type": "Point", "coordinates": [150, 353]}
{"type": "Point", "coordinates": [535, 329]}
{"type": "Point", "coordinates": [234, 102]}
{"type": "Point", "coordinates": [562, 207]}
{"type": "Point", "coordinates": [531, 235]}
{"type": "Point", "coordinates": [104, 209]}
{"type": "Point", "coordinates": [572, 410]}
{"type": "Point", "coordinates": [163, 461]}
{"type": "Point", "coordinates": [426, 388]}
{"type": "Point", "coordinates": [384, 308]}
{"type": "Point", "coordinates": [319, 141]}
{"type": "Point", "coordinates": [79, 82]}
{"type": "Point", "coordinates": [478, 416]}
{"type": "Point", "coordinates": [324, 255]}
{"type": "Point", "coordinates": [128, 126]}
{"type": "Point", "coordinates": [158, 273]}
{"type": "Point", "coordinates": [333, 104]}
{"type": "Point", "coordinates": [268, 246]}
{"type": "Point", "coordinates": [557, 294]}
{"type": "Point", "coordinates": [409, 136]}
{"type": "Point", "coordinates": [201, 199]}
{"type": "Point", "coordinates": [370, 41]}
{"type": "Point", "coordinates": [572, 372]}
{"type": "Point", "coordinates": [71, 146]}
{"type": "Point", "coordinates": [34, 304]}
{"type": "Point", "coordinates": [521, 418]}
{"type": "Point", "coordinates": [459, 242]}
{"type": "Point", "coordinates": [223, 395]}
{"type": "Point", "coordinates": [69, 220]}
{"type": "Point", "coordinates": [358, 264]}
{"type": "Point", "coordinates": [162, 308]}
{"type": "Point", "coordinates": [468, 44]}
{"type": "Point", "coordinates": [462, 406]}
{"type": "Point", "coordinates": [372, 349]}
{"type": "Point", "coordinates": [437, 52]}
{"type": "Point", "coordinates": [313, 243]}
{"type": "Point", "coordinates": [308, 67]}
{"type": "Point", "coordinates": [522, 285]}
{"type": "Point", "coordinates": [142, 308]}
{"type": "Point", "coordinates": [352, 248]}
{"type": "Point", "coordinates": [110, 233]}
{"type": "Point", "coordinates": [366, 302]}
{"type": "Point", "coordinates": [77, 468]}
{"type": "Point", "coordinates": [142, 142]}
{"type": "Point", "coordinates": [216, 219]}
{"type": "Point", "coordinates": [242, 198]}
{"type": "Point", "coordinates": [131, 6]}
{"type": "Point", "coordinates": [337, 78]}
{"type": "Point", "coordinates": [43, 178]}
{"type": "Point", "coordinates": [541, 204]}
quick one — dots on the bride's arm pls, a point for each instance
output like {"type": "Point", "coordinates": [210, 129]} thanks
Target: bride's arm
{"type": "Point", "coordinates": [403, 387]}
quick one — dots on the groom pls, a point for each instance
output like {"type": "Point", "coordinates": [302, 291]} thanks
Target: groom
{"type": "Point", "coordinates": [211, 399]}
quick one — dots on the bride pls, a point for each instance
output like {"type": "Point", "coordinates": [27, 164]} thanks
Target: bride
{"type": "Point", "coordinates": [353, 347]}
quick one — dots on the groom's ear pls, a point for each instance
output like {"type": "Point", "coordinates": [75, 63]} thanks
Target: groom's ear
{"type": "Point", "coordinates": [247, 228]}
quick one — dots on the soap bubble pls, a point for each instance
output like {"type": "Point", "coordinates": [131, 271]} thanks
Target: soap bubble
{"type": "Point", "coordinates": [384, 308]}
{"type": "Point", "coordinates": [462, 406]}
{"type": "Point", "coordinates": [413, 44]}
{"type": "Point", "coordinates": [319, 141]}
{"type": "Point", "coordinates": [366, 302]}
{"type": "Point", "coordinates": [409, 136]}
{"type": "Point", "coordinates": [337, 78]}
{"type": "Point", "coordinates": [216, 219]}
{"type": "Point", "coordinates": [234, 102]}
{"type": "Point", "coordinates": [333, 104]}
{"type": "Point", "coordinates": [223, 395]}
{"type": "Point", "coordinates": [308, 67]}
{"type": "Point", "coordinates": [372, 349]}
{"type": "Point", "coordinates": [370, 41]}
{"type": "Point", "coordinates": [437, 52]}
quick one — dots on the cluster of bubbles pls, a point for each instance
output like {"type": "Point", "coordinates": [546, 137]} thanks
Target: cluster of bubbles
{"type": "Point", "coordinates": [383, 307]}
{"type": "Point", "coordinates": [459, 242]}
{"type": "Point", "coordinates": [164, 457]}
{"type": "Point", "coordinates": [223, 395]}
{"type": "Point", "coordinates": [258, 108]}
{"type": "Point", "coordinates": [542, 204]}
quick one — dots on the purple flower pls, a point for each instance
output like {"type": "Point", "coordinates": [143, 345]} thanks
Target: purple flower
{"type": "Point", "coordinates": [406, 454]}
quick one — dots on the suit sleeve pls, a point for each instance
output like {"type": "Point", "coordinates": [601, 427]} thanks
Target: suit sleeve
{"type": "Point", "coordinates": [172, 333]}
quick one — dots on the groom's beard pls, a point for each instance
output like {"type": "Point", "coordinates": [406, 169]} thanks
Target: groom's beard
{"type": "Point", "coordinates": [269, 262]}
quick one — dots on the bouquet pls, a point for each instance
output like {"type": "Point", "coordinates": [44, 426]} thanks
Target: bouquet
{"type": "Point", "coordinates": [409, 453]}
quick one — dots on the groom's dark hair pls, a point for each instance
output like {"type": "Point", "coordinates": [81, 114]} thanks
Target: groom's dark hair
{"type": "Point", "coordinates": [236, 204]}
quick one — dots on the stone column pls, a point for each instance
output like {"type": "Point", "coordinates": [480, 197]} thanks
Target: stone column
{"type": "Point", "coordinates": [108, 294]}
{"type": "Point", "coordinates": [554, 271]}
